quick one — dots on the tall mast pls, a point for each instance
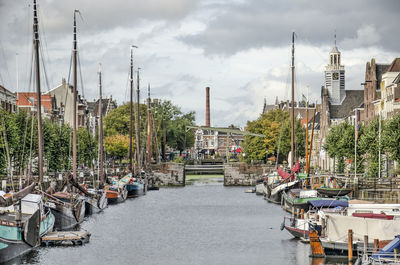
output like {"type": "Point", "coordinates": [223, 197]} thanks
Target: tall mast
{"type": "Point", "coordinates": [131, 114]}
{"type": "Point", "coordinates": [138, 124]}
{"type": "Point", "coordinates": [292, 110]}
{"type": "Point", "coordinates": [74, 112]}
{"type": "Point", "coordinates": [38, 93]}
{"type": "Point", "coordinates": [148, 126]}
{"type": "Point", "coordinates": [100, 113]}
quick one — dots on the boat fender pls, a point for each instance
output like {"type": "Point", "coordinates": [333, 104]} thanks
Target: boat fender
{"type": "Point", "coordinates": [282, 225]}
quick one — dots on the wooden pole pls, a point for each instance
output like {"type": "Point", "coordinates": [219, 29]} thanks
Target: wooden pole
{"type": "Point", "coordinates": [307, 136]}
{"type": "Point", "coordinates": [350, 245]}
{"type": "Point", "coordinates": [323, 227]}
{"type": "Point", "coordinates": [100, 113]}
{"type": "Point", "coordinates": [148, 127]}
{"type": "Point", "coordinates": [292, 110]}
{"type": "Point", "coordinates": [311, 144]}
{"type": "Point", "coordinates": [376, 245]}
{"type": "Point", "coordinates": [130, 151]}
{"type": "Point", "coordinates": [75, 112]}
{"type": "Point", "coordinates": [139, 167]}
{"type": "Point", "coordinates": [38, 92]}
{"type": "Point", "coordinates": [302, 214]}
{"type": "Point", "coordinates": [365, 244]}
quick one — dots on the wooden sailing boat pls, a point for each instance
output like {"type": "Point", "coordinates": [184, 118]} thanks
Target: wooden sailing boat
{"type": "Point", "coordinates": [295, 198]}
{"type": "Point", "coordinates": [132, 183]}
{"type": "Point", "coordinates": [69, 207]}
{"type": "Point", "coordinates": [288, 180]}
{"type": "Point", "coordinates": [24, 218]}
{"type": "Point", "coordinates": [96, 198]}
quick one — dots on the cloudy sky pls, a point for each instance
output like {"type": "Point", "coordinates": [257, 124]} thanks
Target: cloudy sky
{"type": "Point", "coordinates": [240, 48]}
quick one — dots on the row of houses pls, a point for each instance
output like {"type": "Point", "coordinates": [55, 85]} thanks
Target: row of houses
{"type": "Point", "coordinates": [57, 105]}
{"type": "Point", "coordinates": [379, 95]}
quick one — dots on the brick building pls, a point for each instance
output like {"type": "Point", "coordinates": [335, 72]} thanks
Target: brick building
{"type": "Point", "coordinates": [28, 102]}
{"type": "Point", "coordinates": [372, 91]}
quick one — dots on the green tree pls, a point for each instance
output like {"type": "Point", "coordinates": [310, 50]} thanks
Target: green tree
{"type": "Point", "coordinates": [340, 145]}
{"type": "Point", "coordinates": [276, 126]}
{"type": "Point", "coordinates": [369, 145]}
{"type": "Point", "coordinates": [117, 146]}
{"type": "Point", "coordinates": [391, 138]}
{"type": "Point", "coordinates": [86, 147]}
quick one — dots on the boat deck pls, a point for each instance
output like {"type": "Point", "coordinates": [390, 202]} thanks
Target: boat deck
{"type": "Point", "coordinates": [9, 218]}
{"type": "Point", "coordinates": [65, 238]}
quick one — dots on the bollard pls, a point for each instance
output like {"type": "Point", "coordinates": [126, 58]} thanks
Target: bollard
{"type": "Point", "coordinates": [350, 245]}
{"type": "Point", "coordinates": [376, 245]}
{"type": "Point", "coordinates": [302, 214]}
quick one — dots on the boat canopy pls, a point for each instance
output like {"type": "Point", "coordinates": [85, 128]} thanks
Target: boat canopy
{"type": "Point", "coordinates": [328, 203]}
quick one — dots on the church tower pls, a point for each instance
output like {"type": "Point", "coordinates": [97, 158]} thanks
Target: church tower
{"type": "Point", "coordinates": [334, 77]}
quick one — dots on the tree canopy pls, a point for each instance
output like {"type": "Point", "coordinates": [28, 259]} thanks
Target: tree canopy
{"type": "Point", "coordinates": [276, 126]}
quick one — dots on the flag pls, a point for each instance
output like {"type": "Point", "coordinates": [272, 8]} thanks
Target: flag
{"type": "Point", "coordinates": [357, 124]}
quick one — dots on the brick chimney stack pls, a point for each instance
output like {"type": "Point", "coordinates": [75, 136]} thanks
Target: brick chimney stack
{"type": "Point", "coordinates": [208, 106]}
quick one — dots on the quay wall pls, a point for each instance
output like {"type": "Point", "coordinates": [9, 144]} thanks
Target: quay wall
{"type": "Point", "coordinates": [242, 174]}
{"type": "Point", "coordinates": [168, 174]}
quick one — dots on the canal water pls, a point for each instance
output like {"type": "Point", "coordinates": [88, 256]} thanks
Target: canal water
{"type": "Point", "coordinates": [202, 223]}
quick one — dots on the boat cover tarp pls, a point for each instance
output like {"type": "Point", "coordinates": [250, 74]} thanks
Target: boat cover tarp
{"type": "Point", "coordinates": [285, 175]}
{"type": "Point", "coordinates": [328, 203]}
{"type": "Point", "coordinates": [337, 227]}
{"type": "Point", "coordinates": [296, 167]}
{"type": "Point", "coordinates": [388, 250]}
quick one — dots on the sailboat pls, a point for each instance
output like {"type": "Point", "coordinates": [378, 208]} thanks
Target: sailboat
{"type": "Point", "coordinates": [134, 186]}
{"type": "Point", "coordinates": [23, 221]}
{"type": "Point", "coordinates": [96, 198]}
{"type": "Point", "coordinates": [23, 217]}
{"type": "Point", "coordinates": [69, 207]}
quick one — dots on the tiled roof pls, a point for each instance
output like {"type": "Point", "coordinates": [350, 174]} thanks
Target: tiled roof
{"type": "Point", "coordinates": [353, 99]}
{"type": "Point", "coordinates": [27, 99]}
{"type": "Point", "coordinates": [395, 66]}
{"type": "Point", "coordinates": [93, 107]}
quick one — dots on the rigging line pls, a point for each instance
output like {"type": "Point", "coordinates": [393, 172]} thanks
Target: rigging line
{"type": "Point", "coordinates": [45, 56]}
{"type": "Point", "coordinates": [5, 64]}
{"type": "Point", "coordinates": [30, 86]}
{"type": "Point", "coordinates": [23, 146]}
{"type": "Point", "coordinates": [44, 69]}
{"type": "Point", "coordinates": [29, 47]}
{"type": "Point", "coordinates": [70, 67]}
{"type": "Point", "coordinates": [80, 75]}
{"type": "Point", "coordinates": [126, 85]}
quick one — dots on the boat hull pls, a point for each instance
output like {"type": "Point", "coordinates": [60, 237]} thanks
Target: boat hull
{"type": "Point", "coordinates": [333, 192]}
{"type": "Point", "coordinates": [296, 232]}
{"type": "Point", "coordinates": [135, 190]}
{"type": "Point", "coordinates": [12, 249]}
{"type": "Point", "coordinates": [96, 204]}
{"type": "Point", "coordinates": [67, 217]}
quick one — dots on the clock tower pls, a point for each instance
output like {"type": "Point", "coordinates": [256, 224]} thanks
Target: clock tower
{"type": "Point", "coordinates": [334, 77]}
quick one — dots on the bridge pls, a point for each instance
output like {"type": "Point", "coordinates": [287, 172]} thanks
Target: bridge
{"type": "Point", "coordinates": [204, 169]}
